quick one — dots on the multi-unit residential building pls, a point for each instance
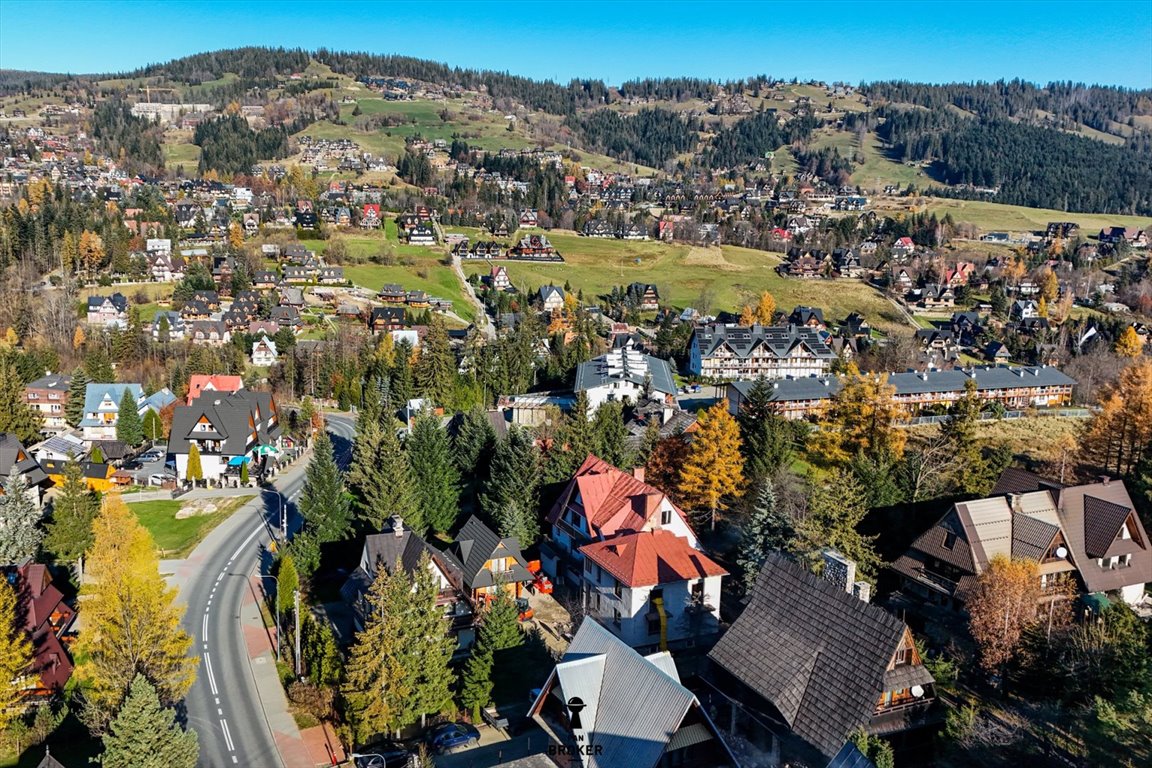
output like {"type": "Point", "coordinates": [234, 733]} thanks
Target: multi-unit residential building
{"type": "Point", "coordinates": [102, 407]}
{"type": "Point", "coordinates": [1014, 387]}
{"type": "Point", "coordinates": [624, 374]}
{"type": "Point", "coordinates": [720, 351]}
{"type": "Point", "coordinates": [108, 311]}
{"type": "Point", "coordinates": [49, 395]}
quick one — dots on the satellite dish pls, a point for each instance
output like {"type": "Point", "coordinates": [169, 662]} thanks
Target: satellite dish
{"type": "Point", "coordinates": [1061, 552]}
{"type": "Point", "coordinates": [917, 691]}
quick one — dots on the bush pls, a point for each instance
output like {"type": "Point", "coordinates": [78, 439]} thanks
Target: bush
{"type": "Point", "coordinates": [105, 280]}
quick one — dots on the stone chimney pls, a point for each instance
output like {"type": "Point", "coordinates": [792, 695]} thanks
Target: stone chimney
{"type": "Point", "coordinates": [839, 570]}
{"type": "Point", "coordinates": [397, 526]}
{"type": "Point", "coordinates": [862, 590]}
{"type": "Point", "coordinates": [638, 473]}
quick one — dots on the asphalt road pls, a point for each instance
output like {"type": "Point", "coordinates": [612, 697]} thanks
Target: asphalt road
{"type": "Point", "coordinates": [223, 705]}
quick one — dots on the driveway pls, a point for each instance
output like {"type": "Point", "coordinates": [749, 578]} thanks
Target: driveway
{"type": "Point", "coordinates": [495, 749]}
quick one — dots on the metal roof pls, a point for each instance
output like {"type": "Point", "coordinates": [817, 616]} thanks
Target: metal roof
{"type": "Point", "coordinates": [625, 365]}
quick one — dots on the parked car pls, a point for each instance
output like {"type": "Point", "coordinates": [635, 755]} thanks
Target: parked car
{"type": "Point", "coordinates": [450, 736]}
{"type": "Point", "coordinates": [385, 754]}
{"type": "Point", "coordinates": [149, 456]}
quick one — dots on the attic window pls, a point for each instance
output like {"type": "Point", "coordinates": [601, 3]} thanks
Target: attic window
{"type": "Point", "coordinates": [666, 516]}
{"type": "Point", "coordinates": [949, 540]}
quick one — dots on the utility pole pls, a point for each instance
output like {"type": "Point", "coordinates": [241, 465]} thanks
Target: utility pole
{"type": "Point", "coordinates": [296, 595]}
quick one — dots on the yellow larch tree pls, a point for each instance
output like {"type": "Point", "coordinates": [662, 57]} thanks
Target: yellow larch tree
{"type": "Point", "coordinates": [131, 619]}
{"type": "Point", "coordinates": [1128, 345]}
{"type": "Point", "coordinates": [15, 656]}
{"type": "Point", "coordinates": [714, 468]}
{"type": "Point", "coordinates": [1119, 432]}
{"type": "Point", "coordinates": [860, 418]}
{"type": "Point", "coordinates": [766, 309]}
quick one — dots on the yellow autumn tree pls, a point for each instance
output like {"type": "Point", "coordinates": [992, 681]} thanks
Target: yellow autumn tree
{"type": "Point", "coordinates": [131, 619]}
{"type": "Point", "coordinates": [714, 468]}
{"type": "Point", "coordinates": [1042, 307]}
{"type": "Point", "coordinates": [1049, 285]}
{"type": "Point", "coordinates": [860, 419]}
{"type": "Point", "coordinates": [1001, 608]}
{"type": "Point", "coordinates": [1119, 432]}
{"type": "Point", "coordinates": [91, 250]}
{"type": "Point", "coordinates": [15, 656]}
{"type": "Point", "coordinates": [747, 315]}
{"type": "Point", "coordinates": [235, 236]}
{"type": "Point", "coordinates": [766, 309]}
{"type": "Point", "coordinates": [78, 338]}
{"type": "Point", "coordinates": [1128, 345]}
{"type": "Point", "coordinates": [69, 253]}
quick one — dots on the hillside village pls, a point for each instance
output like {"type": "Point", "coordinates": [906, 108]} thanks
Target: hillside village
{"type": "Point", "coordinates": [706, 454]}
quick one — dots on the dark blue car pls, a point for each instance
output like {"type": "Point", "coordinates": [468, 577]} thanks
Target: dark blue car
{"type": "Point", "coordinates": [451, 736]}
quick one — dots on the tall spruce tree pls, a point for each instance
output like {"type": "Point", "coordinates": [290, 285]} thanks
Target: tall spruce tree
{"type": "Point", "coordinates": [436, 367]}
{"type": "Point", "coordinates": [324, 504]}
{"type": "Point", "coordinates": [381, 478]}
{"type": "Point", "coordinates": [145, 734]}
{"type": "Point", "coordinates": [427, 648]}
{"type": "Point", "coordinates": [512, 495]}
{"type": "Point", "coordinates": [475, 439]}
{"type": "Point", "coordinates": [766, 439]}
{"type": "Point", "coordinates": [73, 510]}
{"type": "Point", "coordinates": [16, 415]}
{"type": "Point", "coordinates": [611, 436]}
{"type": "Point", "coordinates": [129, 426]}
{"type": "Point", "coordinates": [402, 386]}
{"type": "Point", "coordinates": [476, 681]}
{"type": "Point", "coordinates": [437, 482]}
{"type": "Point", "coordinates": [74, 408]}
{"type": "Point", "coordinates": [767, 529]}
{"type": "Point", "coordinates": [20, 532]}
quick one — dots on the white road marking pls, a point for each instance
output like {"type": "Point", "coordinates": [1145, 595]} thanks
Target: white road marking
{"type": "Point", "coordinates": [234, 760]}
{"type": "Point", "coordinates": [211, 677]}
{"type": "Point", "coordinates": [217, 700]}
{"type": "Point", "coordinates": [204, 632]}
{"type": "Point", "coordinates": [219, 711]}
{"type": "Point", "coordinates": [227, 735]}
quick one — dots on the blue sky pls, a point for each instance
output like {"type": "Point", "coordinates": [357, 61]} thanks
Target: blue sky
{"type": "Point", "coordinates": [925, 40]}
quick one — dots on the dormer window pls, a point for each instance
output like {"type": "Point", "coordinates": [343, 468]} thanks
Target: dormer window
{"type": "Point", "coordinates": [949, 540]}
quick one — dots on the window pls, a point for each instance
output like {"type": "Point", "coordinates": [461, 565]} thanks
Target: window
{"type": "Point", "coordinates": [903, 656]}
{"type": "Point", "coordinates": [654, 626]}
{"type": "Point", "coordinates": [949, 540]}
{"type": "Point", "coordinates": [655, 594]}
{"type": "Point", "coordinates": [616, 588]}
{"type": "Point", "coordinates": [698, 590]}
{"type": "Point", "coordinates": [666, 516]}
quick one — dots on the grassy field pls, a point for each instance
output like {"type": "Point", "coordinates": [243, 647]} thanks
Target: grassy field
{"type": "Point", "coordinates": [176, 538]}
{"type": "Point", "coordinates": [176, 154]}
{"type": "Point", "coordinates": [1017, 218]}
{"type": "Point", "coordinates": [424, 272]}
{"type": "Point", "coordinates": [723, 278]}
{"type": "Point", "coordinates": [1031, 438]}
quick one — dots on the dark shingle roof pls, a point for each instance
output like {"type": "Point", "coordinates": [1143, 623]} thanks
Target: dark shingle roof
{"type": "Point", "coordinates": [1031, 537]}
{"type": "Point", "coordinates": [816, 652]}
{"type": "Point", "coordinates": [1016, 480]}
{"type": "Point", "coordinates": [1102, 521]}
{"type": "Point", "coordinates": [475, 545]}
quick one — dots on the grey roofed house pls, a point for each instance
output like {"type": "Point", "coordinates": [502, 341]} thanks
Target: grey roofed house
{"type": "Point", "coordinates": [633, 710]}
{"type": "Point", "coordinates": [625, 365]}
{"type": "Point", "coordinates": [13, 454]}
{"type": "Point", "coordinates": [1090, 532]}
{"type": "Point", "coordinates": [229, 419]}
{"type": "Point", "coordinates": [743, 340]}
{"type": "Point", "coordinates": [475, 545]}
{"type": "Point", "coordinates": [819, 658]}
{"type": "Point", "coordinates": [118, 301]}
{"type": "Point", "coordinates": [987, 377]}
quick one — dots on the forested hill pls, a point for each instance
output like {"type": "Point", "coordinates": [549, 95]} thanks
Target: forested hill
{"type": "Point", "coordinates": [1066, 146]}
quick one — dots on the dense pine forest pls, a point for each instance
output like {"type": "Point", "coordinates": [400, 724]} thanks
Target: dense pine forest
{"type": "Point", "coordinates": [650, 137]}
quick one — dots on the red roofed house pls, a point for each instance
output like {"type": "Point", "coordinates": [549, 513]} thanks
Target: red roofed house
{"type": "Point", "coordinates": [200, 383]}
{"type": "Point", "coordinates": [47, 619]}
{"type": "Point", "coordinates": [633, 555]}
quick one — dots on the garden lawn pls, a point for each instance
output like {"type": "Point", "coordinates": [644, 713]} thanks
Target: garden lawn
{"type": "Point", "coordinates": [712, 279]}
{"type": "Point", "coordinates": [176, 538]}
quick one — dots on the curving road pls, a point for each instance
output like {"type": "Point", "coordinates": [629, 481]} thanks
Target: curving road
{"type": "Point", "coordinates": [224, 705]}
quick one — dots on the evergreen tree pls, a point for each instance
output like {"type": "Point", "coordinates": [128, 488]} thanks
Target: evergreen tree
{"type": "Point", "coordinates": [145, 734]}
{"type": "Point", "coordinates": [402, 387]}
{"type": "Point", "coordinates": [767, 529]}
{"type": "Point", "coordinates": [73, 510]}
{"type": "Point", "coordinates": [321, 654]}
{"type": "Point", "coordinates": [16, 415]}
{"type": "Point", "coordinates": [513, 491]}
{"type": "Point", "coordinates": [766, 439]}
{"type": "Point", "coordinates": [96, 455]}
{"type": "Point", "coordinates": [429, 648]}
{"type": "Point", "coordinates": [324, 504]}
{"type": "Point", "coordinates": [194, 472]}
{"type": "Point", "coordinates": [15, 655]}
{"type": "Point", "coordinates": [20, 532]}
{"type": "Point", "coordinates": [476, 681]}
{"type": "Point", "coordinates": [375, 682]}
{"type": "Point", "coordinates": [837, 503]}
{"type": "Point", "coordinates": [131, 619]}
{"type": "Point", "coordinates": [129, 427]}
{"type": "Point", "coordinates": [500, 628]}
{"type": "Point", "coordinates": [473, 445]}
{"type": "Point", "coordinates": [74, 408]}
{"type": "Point", "coordinates": [98, 367]}
{"type": "Point", "coordinates": [972, 473]}
{"type": "Point", "coordinates": [287, 582]}
{"type": "Point", "coordinates": [437, 482]}
{"type": "Point", "coordinates": [436, 367]}
{"type": "Point", "coordinates": [611, 436]}
{"type": "Point", "coordinates": [153, 426]}
{"type": "Point", "coordinates": [381, 478]}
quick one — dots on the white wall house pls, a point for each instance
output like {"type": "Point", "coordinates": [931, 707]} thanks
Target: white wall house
{"type": "Point", "coordinates": [624, 375]}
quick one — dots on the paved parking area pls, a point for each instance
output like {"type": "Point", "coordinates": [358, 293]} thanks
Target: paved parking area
{"type": "Point", "coordinates": [495, 749]}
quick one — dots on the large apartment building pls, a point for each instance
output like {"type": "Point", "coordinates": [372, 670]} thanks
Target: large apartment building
{"type": "Point", "coordinates": [735, 352]}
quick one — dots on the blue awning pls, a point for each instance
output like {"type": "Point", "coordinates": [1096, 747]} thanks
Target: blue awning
{"type": "Point", "coordinates": [236, 461]}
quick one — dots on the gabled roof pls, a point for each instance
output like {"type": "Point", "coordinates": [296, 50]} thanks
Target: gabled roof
{"type": "Point", "coordinates": [475, 545]}
{"type": "Point", "coordinates": [97, 397]}
{"type": "Point", "coordinates": [12, 453]}
{"type": "Point", "coordinates": [625, 365]}
{"type": "Point", "coordinates": [634, 706]}
{"type": "Point", "coordinates": [817, 653]}
{"type": "Point", "coordinates": [1092, 518]}
{"type": "Point", "coordinates": [778, 340]}
{"type": "Point", "coordinates": [610, 500]}
{"type": "Point", "coordinates": [200, 383]}
{"type": "Point", "coordinates": [649, 558]}
{"type": "Point", "coordinates": [231, 418]}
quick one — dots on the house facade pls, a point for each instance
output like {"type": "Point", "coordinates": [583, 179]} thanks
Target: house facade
{"type": "Point", "coordinates": [624, 374]}
{"type": "Point", "coordinates": [108, 311]}
{"type": "Point", "coordinates": [719, 351]}
{"type": "Point", "coordinates": [48, 395]}
{"type": "Point", "coordinates": [227, 431]}
{"type": "Point", "coordinates": [264, 352]}
{"type": "Point", "coordinates": [481, 562]}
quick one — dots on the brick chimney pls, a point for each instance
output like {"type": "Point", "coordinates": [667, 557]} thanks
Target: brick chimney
{"type": "Point", "coordinates": [862, 590]}
{"type": "Point", "coordinates": [839, 570]}
{"type": "Point", "coordinates": [397, 526]}
{"type": "Point", "coordinates": [638, 473]}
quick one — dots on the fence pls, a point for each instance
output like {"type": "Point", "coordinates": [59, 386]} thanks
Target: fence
{"type": "Point", "coordinates": [1067, 413]}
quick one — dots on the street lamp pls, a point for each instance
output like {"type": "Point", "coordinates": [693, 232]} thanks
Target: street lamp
{"type": "Point", "coordinates": [283, 517]}
{"type": "Point", "coordinates": [276, 600]}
